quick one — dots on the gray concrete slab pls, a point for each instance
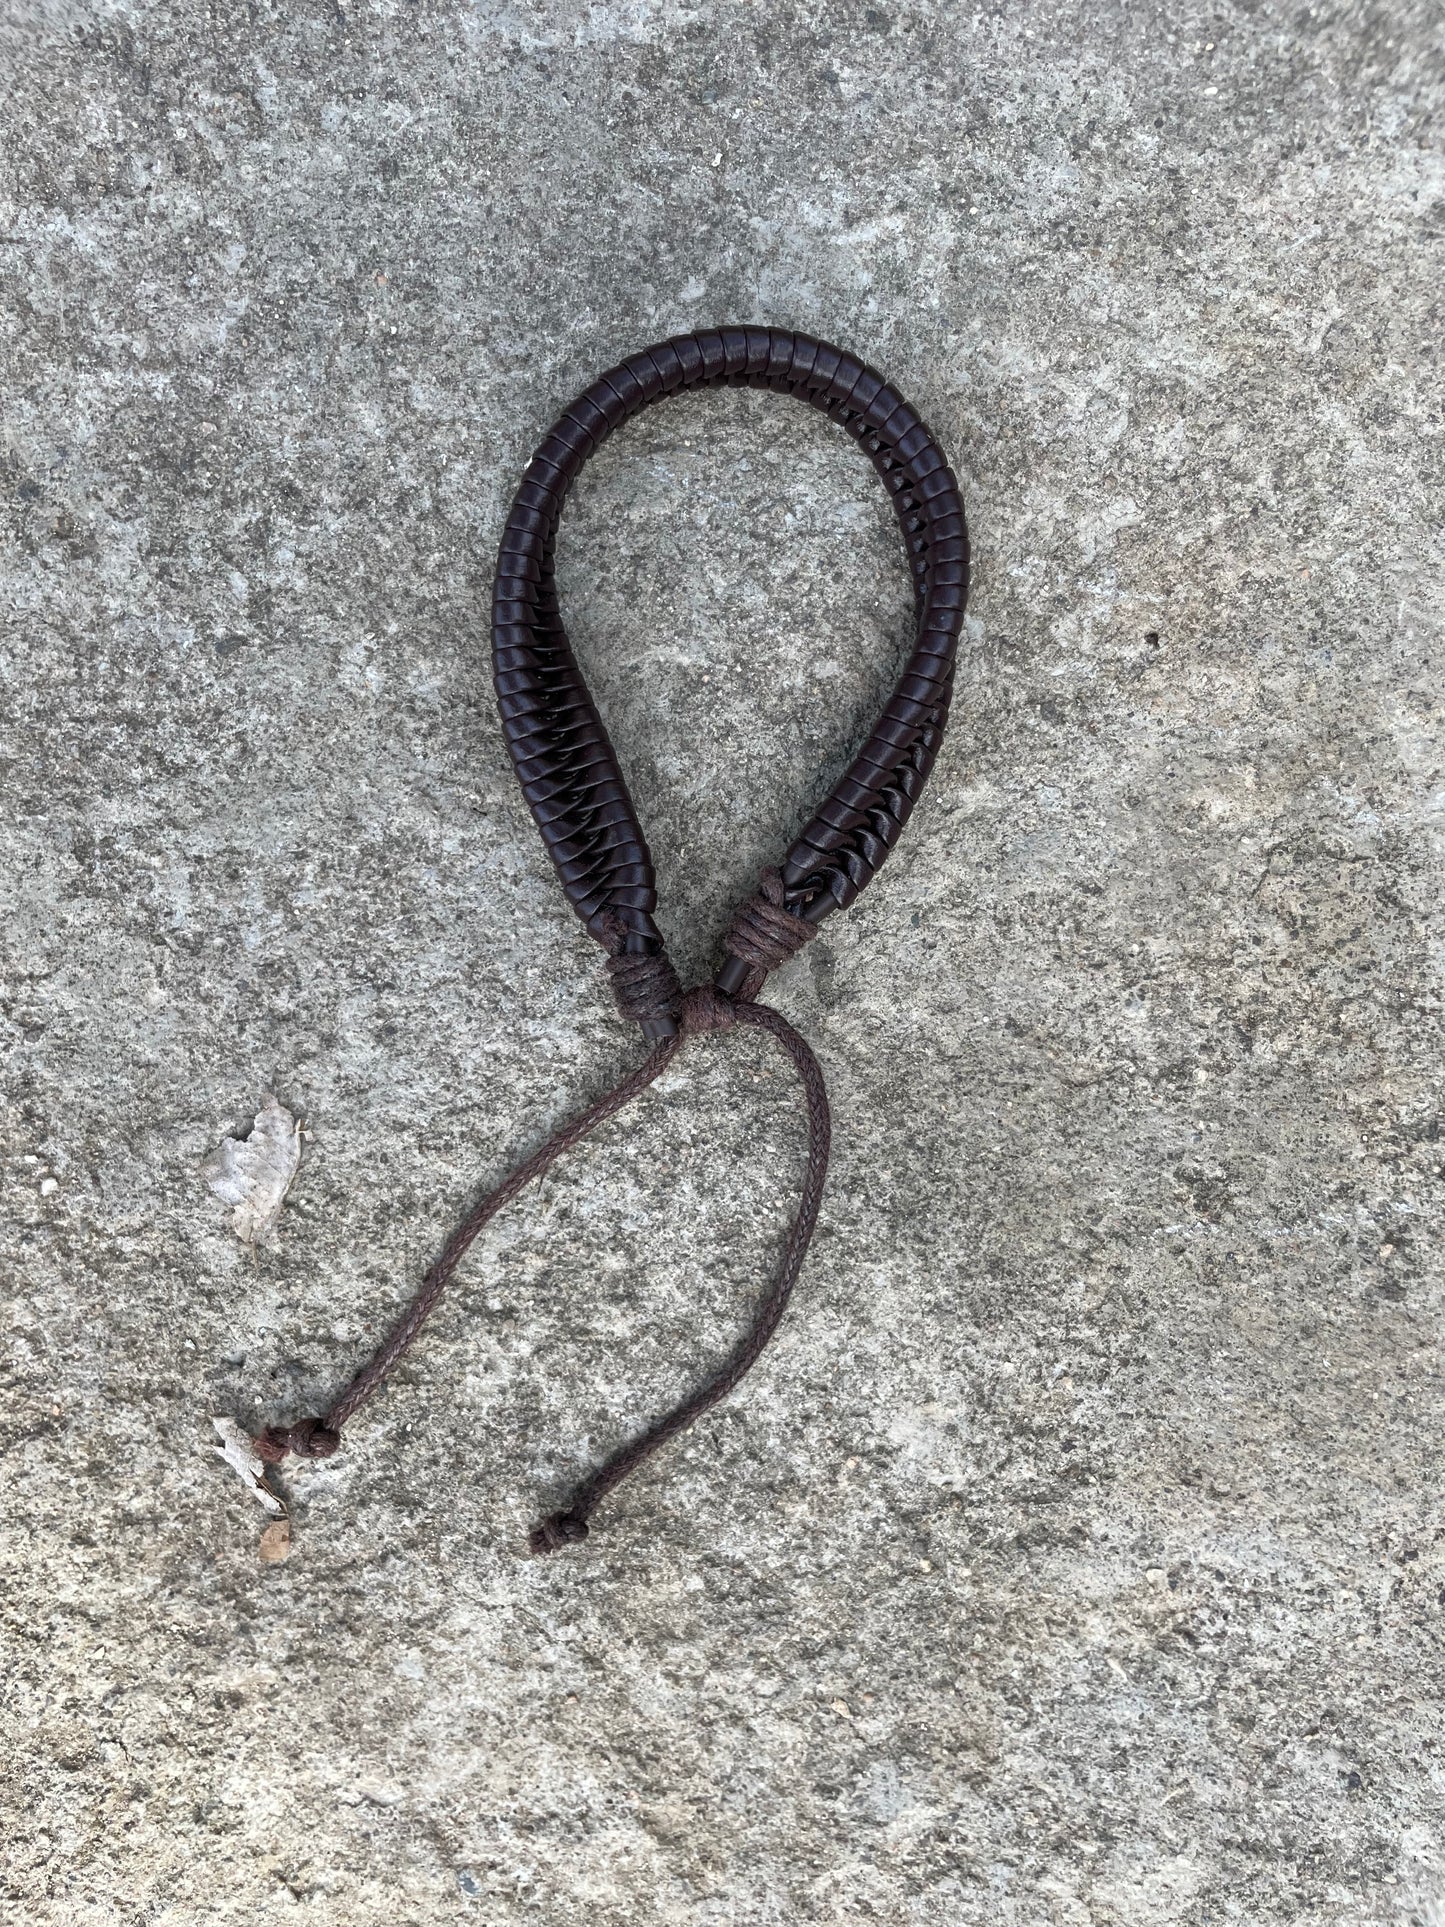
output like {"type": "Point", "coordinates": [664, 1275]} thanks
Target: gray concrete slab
{"type": "Point", "coordinates": [1075, 1554]}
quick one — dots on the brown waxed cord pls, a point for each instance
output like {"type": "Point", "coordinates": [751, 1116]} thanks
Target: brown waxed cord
{"type": "Point", "coordinates": [707, 1009]}
{"type": "Point", "coordinates": [701, 1010]}
{"type": "Point", "coordinates": [574, 787]}
{"type": "Point", "coordinates": [319, 1438]}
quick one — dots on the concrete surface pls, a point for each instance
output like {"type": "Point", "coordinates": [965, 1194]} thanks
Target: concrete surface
{"type": "Point", "coordinates": [1075, 1555]}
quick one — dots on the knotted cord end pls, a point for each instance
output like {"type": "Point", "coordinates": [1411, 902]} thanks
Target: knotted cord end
{"type": "Point", "coordinates": [558, 1529]}
{"type": "Point", "coordinates": [764, 935]}
{"type": "Point", "coordinates": [308, 1438]}
{"type": "Point", "coordinates": [645, 986]}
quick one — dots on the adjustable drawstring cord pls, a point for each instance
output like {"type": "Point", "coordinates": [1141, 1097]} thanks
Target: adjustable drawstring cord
{"type": "Point", "coordinates": [646, 988]}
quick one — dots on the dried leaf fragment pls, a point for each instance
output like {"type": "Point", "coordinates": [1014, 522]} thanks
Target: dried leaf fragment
{"type": "Point", "coordinates": [254, 1173]}
{"type": "Point", "coordinates": [240, 1454]}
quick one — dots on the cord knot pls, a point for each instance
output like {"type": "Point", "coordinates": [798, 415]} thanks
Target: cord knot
{"type": "Point", "coordinates": [765, 933]}
{"type": "Point", "coordinates": [308, 1438]}
{"type": "Point", "coordinates": [557, 1530]}
{"type": "Point", "coordinates": [705, 1008]}
{"type": "Point", "coordinates": [645, 986]}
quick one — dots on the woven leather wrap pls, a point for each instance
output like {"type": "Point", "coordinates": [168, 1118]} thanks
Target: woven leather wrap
{"type": "Point", "coordinates": [564, 760]}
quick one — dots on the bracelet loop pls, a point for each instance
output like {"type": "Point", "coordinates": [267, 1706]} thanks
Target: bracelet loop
{"type": "Point", "coordinates": [564, 760]}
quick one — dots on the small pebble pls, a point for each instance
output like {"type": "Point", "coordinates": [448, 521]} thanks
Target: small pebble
{"type": "Point", "coordinates": [276, 1542]}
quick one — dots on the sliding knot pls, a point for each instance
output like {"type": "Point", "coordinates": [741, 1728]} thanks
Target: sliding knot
{"type": "Point", "coordinates": [705, 1008]}
{"type": "Point", "coordinates": [644, 984]}
{"type": "Point", "coordinates": [559, 1529]}
{"type": "Point", "coordinates": [765, 933]}
{"type": "Point", "coordinates": [308, 1438]}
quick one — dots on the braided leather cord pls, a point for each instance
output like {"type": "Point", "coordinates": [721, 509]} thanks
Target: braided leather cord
{"type": "Point", "coordinates": [564, 760]}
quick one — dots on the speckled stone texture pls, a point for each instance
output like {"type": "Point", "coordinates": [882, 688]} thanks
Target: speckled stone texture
{"type": "Point", "coordinates": [1075, 1555]}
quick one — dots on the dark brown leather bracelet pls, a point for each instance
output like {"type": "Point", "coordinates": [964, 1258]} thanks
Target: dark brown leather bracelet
{"type": "Point", "coordinates": [572, 782]}
{"type": "Point", "coordinates": [564, 761]}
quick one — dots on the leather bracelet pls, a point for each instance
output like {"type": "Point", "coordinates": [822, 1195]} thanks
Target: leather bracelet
{"type": "Point", "coordinates": [570, 777]}
{"type": "Point", "coordinates": [564, 761]}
